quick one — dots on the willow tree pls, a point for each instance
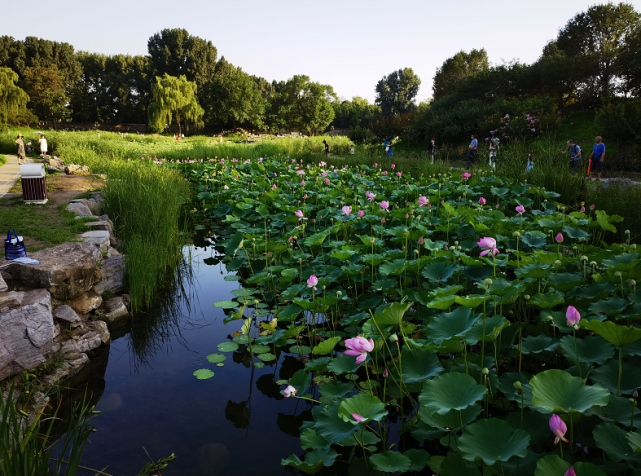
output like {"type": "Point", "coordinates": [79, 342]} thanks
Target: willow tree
{"type": "Point", "coordinates": [12, 98]}
{"type": "Point", "coordinates": [173, 98]}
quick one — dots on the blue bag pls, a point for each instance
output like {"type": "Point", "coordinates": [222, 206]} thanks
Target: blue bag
{"type": "Point", "coordinates": [14, 246]}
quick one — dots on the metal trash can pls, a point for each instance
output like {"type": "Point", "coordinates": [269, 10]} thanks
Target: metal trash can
{"type": "Point", "coordinates": [34, 183]}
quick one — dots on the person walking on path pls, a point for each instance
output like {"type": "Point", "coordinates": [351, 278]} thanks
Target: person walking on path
{"type": "Point", "coordinates": [43, 145]}
{"type": "Point", "coordinates": [474, 147]}
{"type": "Point", "coordinates": [326, 148]}
{"type": "Point", "coordinates": [575, 154]}
{"type": "Point", "coordinates": [388, 146]}
{"type": "Point", "coordinates": [20, 154]}
{"type": "Point", "coordinates": [598, 154]}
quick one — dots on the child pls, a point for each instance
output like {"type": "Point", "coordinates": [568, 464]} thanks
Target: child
{"type": "Point", "coordinates": [530, 163]}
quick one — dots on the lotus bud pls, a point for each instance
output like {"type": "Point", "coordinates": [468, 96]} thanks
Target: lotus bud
{"type": "Point", "coordinates": [416, 252]}
{"type": "Point", "coordinates": [324, 287]}
{"type": "Point", "coordinates": [517, 385]}
{"type": "Point", "coordinates": [633, 246]}
{"type": "Point", "coordinates": [385, 373]}
{"type": "Point", "coordinates": [635, 393]}
{"type": "Point", "coordinates": [516, 234]}
{"type": "Point", "coordinates": [632, 283]}
{"type": "Point", "coordinates": [617, 274]}
{"type": "Point", "coordinates": [593, 264]}
{"type": "Point", "coordinates": [485, 371]}
{"type": "Point", "coordinates": [393, 338]}
{"type": "Point", "coordinates": [256, 301]}
{"type": "Point", "coordinates": [372, 240]}
{"type": "Point", "coordinates": [557, 263]}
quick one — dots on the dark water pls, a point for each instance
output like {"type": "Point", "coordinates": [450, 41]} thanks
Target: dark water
{"type": "Point", "coordinates": [235, 422]}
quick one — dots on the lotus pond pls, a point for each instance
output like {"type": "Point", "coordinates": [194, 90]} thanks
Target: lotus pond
{"type": "Point", "coordinates": [453, 324]}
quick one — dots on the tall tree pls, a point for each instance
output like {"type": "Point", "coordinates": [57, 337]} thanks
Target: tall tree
{"type": "Point", "coordinates": [12, 98]}
{"type": "Point", "coordinates": [454, 70]}
{"type": "Point", "coordinates": [173, 98]}
{"type": "Point", "coordinates": [46, 89]}
{"type": "Point", "coordinates": [600, 35]}
{"type": "Point", "coordinates": [233, 98]}
{"type": "Point", "coordinates": [175, 52]}
{"type": "Point", "coordinates": [395, 93]}
{"type": "Point", "coordinates": [306, 106]}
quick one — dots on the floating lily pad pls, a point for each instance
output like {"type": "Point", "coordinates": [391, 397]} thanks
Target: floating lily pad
{"type": "Point", "coordinates": [336, 389]}
{"type": "Point", "coordinates": [216, 358]}
{"type": "Point", "coordinates": [203, 374]}
{"type": "Point", "coordinates": [453, 391]}
{"type": "Point", "coordinates": [226, 304]}
{"type": "Point", "coordinates": [227, 347]}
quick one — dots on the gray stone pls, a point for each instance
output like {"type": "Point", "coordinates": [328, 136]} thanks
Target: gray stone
{"type": "Point", "coordinates": [113, 310]}
{"type": "Point", "coordinates": [86, 302]}
{"type": "Point", "coordinates": [99, 238]}
{"type": "Point", "coordinates": [105, 226]}
{"type": "Point", "coordinates": [113, 272]}
{"type": "Point", "coordinates": [113, 252]}
{"type": "Point", "coordinates": [11, 300]}
{"type": "Point", "coordinates": [54, 170]}
{"type": "Point", "coordinates": [85, 343]}
{"type": "Point", "coordinates": [95, 207]}
{"type": "Point", "coordinates": [26, 334]}
{"type": "Point", "coordinates": [101, 328]}
{"type": "Point", "coordinates": [73, 169]}
{"type": "Point", "coordinates": [54, 162]}
{"type": "Point", "coordinates": [75, 361]}
{"type": "Point", "coordinates": [66, 271]}
{"type": "Point", "coordinates": [68, 316]}
{"type": "Point", "coordinates": [3, 285]}
{"type": "Point", "coordinates": [80, 209]}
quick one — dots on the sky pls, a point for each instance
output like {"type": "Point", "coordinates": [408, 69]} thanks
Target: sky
{"type": "Point", "coordinates": [347, 44]}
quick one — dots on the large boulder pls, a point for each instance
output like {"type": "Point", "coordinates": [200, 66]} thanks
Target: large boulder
{"type": "Point", "coordinates": [103, 225]}
{"type": "Point", "coordinates": [73, 169]}
{"type": "Point", "coordinates": [54, 162]}
{"type": "Point", "coordinates": [85, 303]}
{"type": "Point", "coordinates": [79, 209]}
{"type": "Point", "coordinates": [113, 310]}
{"type": "Point", "coordinates": [3, 285]}
{"type": "Point", "coordinates": [67, 316]}
{"type": "Point", "coordinates": [26, 334]}
{"type": "Point", "coordinates": [66, 271]}
{"type": "Point", "coordinates": [11, 300]}
{"type": "Point", "coordinates": [113, 272]}
{"type": "Point", "coordinates": [99, 238]}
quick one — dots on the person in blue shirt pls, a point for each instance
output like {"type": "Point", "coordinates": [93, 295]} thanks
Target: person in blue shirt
{"type": "Point", "coordinates": [575, 153]}
{"type": "Point", "coordinates": [598, 154]}
{"type": "Point", "coordinates": [474, 147]}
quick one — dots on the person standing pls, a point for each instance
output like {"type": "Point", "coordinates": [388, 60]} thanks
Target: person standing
{"type": "Point", "coordinates": [474, 147]}
{"type": "Point", "coordinates": [431, 149]}
{"type": "Point", "coordinates": [326, 148]}
{"type": "Point", "coordinates": [21, 154]}
{"type": "Point", "coordinates": [494, 150]}
{"type": "Point", "coordinates": [43, 145]}
{"type": "Point", "coordinates": [598, 154]}
{"type": "Point", "coordinates": [575, 153]}
{"type": "Point", "coordinates": [390, 144]}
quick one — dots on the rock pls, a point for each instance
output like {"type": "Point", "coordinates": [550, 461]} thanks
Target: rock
{"type": "Point", "coordinates": [113, 252]}
{"type": "Point", "coordinates": [105, 226]}
{"type": "Point", "coordinates": [68, 316]}
{"type": "Point", "coordinates": [94, 207]}
{"type": "Point", "coordinates": [86, 302]}
{"type": "Point", "coordinates": [113, 310]}
{"type": "Point", "coordinates": [54, 162]}
{"type": "Point", "coordinates": [54, 170]}
{"type": "Point", "coordinates": [66, 271]}
{"type": "Point", "coordinates": [101, 328]}
{"type": "Point", "coordinates": [11, 300]}
{"type": "Point", "coordinates": [3, 285]}
{"type": "Point", "coordinates": [73, 363]}
{"type": "Point", "coordinates": [73, 169]}
{"type": "Point", "coordinates": [113, 272]}
{"type": "Point", "coordinates": [85, 343]}
{"type": "Point", "coordinates": [26, 334]}
{"type": "Point", "coordinates": [99, 238]}
{"type": "Point", "coordinates": [79, 209]}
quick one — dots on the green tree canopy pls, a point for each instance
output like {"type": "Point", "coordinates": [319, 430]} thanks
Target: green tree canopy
{"type": "Point", "coordinates": [175, 52]}
{"type": "Point", "coordinates": [173, 98]}
{"type": "Point", "coordinates": [46, 89]}
{"type": "Point", "coordinates": [233, 98]}
{"type": "Point", "coordinates": [395, 93]}
{"type": "Point", "coordinates": [600, 35]}
{"type": "Point", "coordinates": [454, 70]}
{"type": "Point", "coordinates": [304, 105]}
{"type": "Point", "coordinates": [355, 113]}
{"type": "Point", "coordinates": [12, 98]}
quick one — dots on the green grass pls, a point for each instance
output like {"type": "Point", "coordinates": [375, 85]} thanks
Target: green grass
{"type": "Point", "coordinates": [3, 160]}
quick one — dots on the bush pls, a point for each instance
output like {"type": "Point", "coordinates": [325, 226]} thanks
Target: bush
{"type": "Point", "coordinates": [360, 135]}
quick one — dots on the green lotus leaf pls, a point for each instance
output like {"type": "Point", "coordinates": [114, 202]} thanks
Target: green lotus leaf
{"type": "Point", "coordinates": [361, 438]}
{"type": "Point", "coordinates": [316, 239]}
{"type": "Point", "coordinates": [438, 271]}
{"type": "Point", "coordinates": [418, 365]}
{"type": "Point", "coordinates": [557, 391]}
{"type": "Point", "coordinates": [507, 381]}
{"type": "Point", "coordinates": [216, 358]}
{"type": "Point", "coordinates": [535, 271]}
{"type": "Point", "coordinates": [391, 462]}
{"type": "Point", "coordinates": [422, 431]}
{"type": "Point", "coordinates": [226, 304]}
{"type": "Point", "coordinates": [203, 374]}
{"type": "Point", "coordinates": [300, 349]}
{"type": "Point", "coordinates": [450, 421]}
{"type": "Point", "coordinates": [331, 426]}
{"type": "Point", "coordinates": [395, 267]}
{"type": "Point", "coordinates": [300, 380]}
{"type": "Point", "coordinates": [455, 465]}
{"type": "Point", "coordinates": [232, 277]}
{"type": "Point", "coordinates": [294, 461]}
{"type": "Point", "coordinates": [453, 391]}
{"type": "Point", "coordinates": [493, 440]}
{"type": "Point", "coordinates": [634, 440]}
{"type": "Point", "coordinates": [260, 348]}
{"type": "Point", "coordinates": [318, 365]}
{"type": "Point", "coordinates": [343, 364]}
{"type": "Point", "coordinates": [478, 273]}
{"type": "Point", "coordinates": [546, 301]}
{"type": "Point", "coordinates": [227, 347]}
{"type": "Point", "coordinates": [471, 301]}
{"type": "Point", "coordinates": [613, 440]}
{"type": "Point", "coordinates": [565, 281]}
{"type": "Point", "coordinates": [575, 233]}
{"type": "Point", "coordinates": [538, 344]}
{"type": "Point", "coordinates": [327, 456]}
{"type": "Point", "coordinates": [608, 374]}
{"type": "Point", "coordinates": [327, 346]}
{"type": "Point", "coordinates": [244, 292]}
{"type": "Point", "coordinates": [451, 324]}
{"type": "Point", "coordinates": [392, 315]}
{"type": "Point", "coordinates": [310, 440]}
{"type": "Point", "coordinates": [266, 357]}
{"type": "Point", "coordinates": [501, 286]}
{"type": "Point", "coordinates": [533, 241]}
{"type": "Point", "coordinates": [335, 389]}
{"type": "Point", "coordinates": [493, 327]}
{"type": "Point", "coordinates": [442, 302]}
{"type": "Point", "coordinates": [617, 335]}
{"type": "Point", "coordinates": [610, 308]}
{"type": "Point", "coordinates": [592, 349]}
{"type": "Point", "coordinates": [558, 319]}
{"type": "Point", "coordinates": [365, 405]}
{"type": "Point", "coordinates": [618, 409]}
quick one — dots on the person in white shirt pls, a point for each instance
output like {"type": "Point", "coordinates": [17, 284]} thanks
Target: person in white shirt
{"type": "Point", "coordinates": [43, 145]}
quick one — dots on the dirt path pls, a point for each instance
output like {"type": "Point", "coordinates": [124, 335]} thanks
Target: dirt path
{"type": "Point", "coordinates": [9, 174]}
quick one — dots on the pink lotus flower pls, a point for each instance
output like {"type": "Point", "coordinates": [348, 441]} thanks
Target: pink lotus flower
{"type": "Point", "coordinates": [226, 187]}
{"type": "Point", "coordinates": [466, 175]}
{"type": "Point", "coordinates": [573, 316]}
{"type": "Point", "coordinates": [358, 418]}
{"type": "Point", "coordinates": [558, 427]}
{"type": "Point", "coordinates": [559, 238]}
{"type": "Point", "coordinates": [290, 391]}
{"type": "Point", "coordinates": [482, 201]}
{"type": "Point", "coordinates": [520, 209]}
{"type": "Point", "coordinates": [384, 205]}
{"type": "Point", "coordinates": [361, 213]}
{"type": "Point", "coordinates": [385, 172]}
{"type": "Point", "coordinates": [302, 182]}
{"type": "Point", "coordinates": [291, 238]}
{"type": "Point", "coordinates": [498, 206]}
{"type": "Point", "coordinates": [423, 201]}
{"type": "Point", "coordinates": [383, 220]}
{"type": "Point", "coordinates": [490, 246]}
{"type": "Point", "coordinates": [359, 346]}
{"type": "Point", "coordinates": [324, 174]}
{"type": "Point", "coordinates": [274, 187]}
{"type": "Point", "coordinates": [370, 196]}
{"type": "Point", "coordinates": [393, 166]}
{"type": "Point", "coordinates": [327, 181]}
{"type": "Point", "coordinates": [300, 216]}
{"type": "Point", "coordinates": [312, 282]}
{"type": "Point", "coordinates": [347, 210]}
{"type": "Point", "coordinates": [533, 130]}
{"type": "Point", "coordinates": [375, 164]}
{"type": "Point", "coordinates": [582, 209]}
{"type": "Point", "coordinates": [305, 197]}
{"type": "Point", "coordinates": [421, 240]}
{"type": "Point", "coordinates": [592, 207]}
{"type": "Point", "coordinates": [570, 471]}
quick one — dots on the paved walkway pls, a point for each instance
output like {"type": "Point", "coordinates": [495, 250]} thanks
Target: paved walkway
{"type": "Point", "coordinates": [9, 174]}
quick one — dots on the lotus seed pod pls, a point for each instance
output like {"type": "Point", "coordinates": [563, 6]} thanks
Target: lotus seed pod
{"type": "Point", "coordinates": [372, 240]}
{"type": "Point", "coordinates": [593, 264]}
{"type": "Point", "coordinates": [617, 274]}
{"type": "Point", "coordinates": [256, 301]}
{"type": "Point", "coordinates": [339, 294]}
{"type": "Point", "coordinates": [627, 232]}
{"type": "Point", "coordinates": [584, 259]}
{"type": "Point", "coordinates": [456, 243]}
{"type": "Point", "coordinates": [526, 297]}
{"type": "Point", "coordinates": [516, 234]}
{"type": "Point", "coordinates": [324, 287]}
{"type": "Point", "coordinates": [393, 338]}
{"type": "Point", "coordinates": [488, 282]}
{"type": "Point", "coordinates": [557, 263]}
{"type": "Point", "coordinates": [486, 371]}
{"type": "Point", "coordinates": [633, 246]}
{"type": "Point", "coordinates": [632, 283]}
{"type": "Point", "coordinates": [517, 385]}
{"type": "Point", "coordinates": [582, 203]}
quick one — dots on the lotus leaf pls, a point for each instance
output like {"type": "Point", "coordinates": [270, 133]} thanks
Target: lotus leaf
{"type": "Point", "coordinates": [558, 391]}
{"type": "Point", "coordinates": [453, 391]}
{"type": "Point", "coordinates": [493, 440]}
{"type": "Point", "coordinates": [365, 405]}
